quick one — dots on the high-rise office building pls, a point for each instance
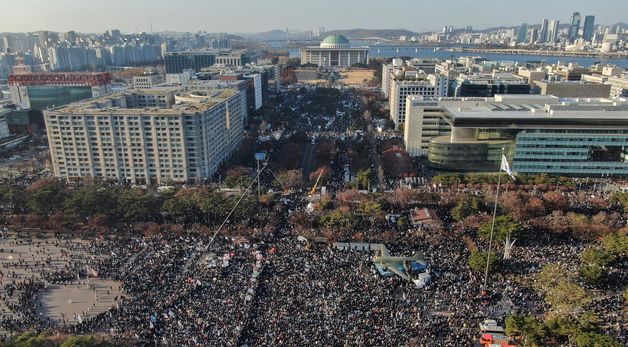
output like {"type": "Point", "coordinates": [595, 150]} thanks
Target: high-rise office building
{"type": "Point", "coordinates": [534, 35]}
{"type": "Point", "coordinates": [575, 26]}
{"type": "Point", "coordinates": [401, 87]}
{"type": "Point", "coordinates": [176, 62]}
{"type": "Point", "coordinates": [552, 31]}
{"type": "Point", "coordinates": [486, 85]}
{"type": "Point", "coordinates": [543, 33]}
{"type": "Point", "coordinates": [522, 33]}
{"type": "Point", "coordinates": [589, 28]}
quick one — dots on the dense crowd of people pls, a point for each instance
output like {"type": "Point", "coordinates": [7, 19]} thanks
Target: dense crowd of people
{"type": "Point", "coordinates": [319, 295]}
{"type": "Point", "coordinates": [169, 305]}
{"type": "Point", "coordinates": [288, 292]}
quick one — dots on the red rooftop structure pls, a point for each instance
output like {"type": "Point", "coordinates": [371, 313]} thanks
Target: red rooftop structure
{"type": "Point", "coordinates": [70, 79]}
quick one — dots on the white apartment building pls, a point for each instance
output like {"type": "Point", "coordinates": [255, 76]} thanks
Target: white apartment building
{"type": "Point", "coordinates": [387, 69]}
{"type": "Point", "coordinates": [612, 70]}
{"type": "Point", "coordinates": [619, 86]}
{"type": "Point", "coordinates": [387, 73]}
{"type": "Point", "coordinates": [146, 136]}
{"type": "Point", "coordinates": [398, 67]}
{"type": "Point", "coordinates": [400, 89]}
{"type": "Point", "coordinates": [205, 86]}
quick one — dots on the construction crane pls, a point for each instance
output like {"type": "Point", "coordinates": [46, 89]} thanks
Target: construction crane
{"type": "Point", "coordinates": [316, 183]}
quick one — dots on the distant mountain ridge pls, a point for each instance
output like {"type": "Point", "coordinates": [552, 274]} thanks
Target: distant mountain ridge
{"type": "Point", "coordinates": [266, 35]}
{"type": "Point", "coordinates": [371, 33]}
{"type": "Point", "coordinates": [360, 33]}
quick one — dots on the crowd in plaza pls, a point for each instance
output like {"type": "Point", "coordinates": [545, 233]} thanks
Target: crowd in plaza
{"type": "Point", "coordinates": [284, 290]}
{"type": "Point", "coordinates": [318, 295]}
{"type": "Point", "coordinates": [306, 293]}
{"type": "Point", "coordinates": [169, 294]}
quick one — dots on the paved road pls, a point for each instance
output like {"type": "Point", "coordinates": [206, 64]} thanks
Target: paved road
{"type": "Point", "coordinates": [378, 174]}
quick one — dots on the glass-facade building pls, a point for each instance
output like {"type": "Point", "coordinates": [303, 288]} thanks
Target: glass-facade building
{"type": "Point", "coordinates": [477, 156]}
{"type": "Point", "coordinates": [574, 152]}
{"type": "Point", "coordinates": [176, 62]}
{"type": "Point", "coordinates": [589, 28]}
{"type": "Point", "coordinates": [566, 152]}
{"type": "Point", "coordinates": [42, 97]}
{"type": "Point", "coordinates": [569, 137]}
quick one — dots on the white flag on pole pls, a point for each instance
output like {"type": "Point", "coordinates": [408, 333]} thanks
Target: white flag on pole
{"type": "Point", "coordinates": [506, 167]}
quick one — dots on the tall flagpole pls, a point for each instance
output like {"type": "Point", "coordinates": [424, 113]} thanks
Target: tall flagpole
{"type": "Point", "coordinates": [490, 242]}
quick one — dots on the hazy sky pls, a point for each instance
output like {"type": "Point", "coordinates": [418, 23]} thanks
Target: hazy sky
{"type": "Point", "coordinates": [262, 15]}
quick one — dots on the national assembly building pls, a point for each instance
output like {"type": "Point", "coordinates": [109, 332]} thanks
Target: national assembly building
{"type": "Point", "coordinates": [334, 51]}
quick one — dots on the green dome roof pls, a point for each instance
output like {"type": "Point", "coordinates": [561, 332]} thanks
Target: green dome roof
{"type": "Point", "coordinates": [335, 40]}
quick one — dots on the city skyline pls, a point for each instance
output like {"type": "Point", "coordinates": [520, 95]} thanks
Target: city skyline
{"type": "Point", "coordinates": [325, 173]}
{"type": "Point", "coordinates": [238, 17]}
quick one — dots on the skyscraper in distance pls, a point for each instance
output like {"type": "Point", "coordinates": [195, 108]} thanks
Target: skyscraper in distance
{"type": "Point", "coordinates": [543, 33]}
{"type": "Point", "coordinates": [575, 26]}
{"type": "Point", "coordinates": [522, 33]}
{"type": "Point", "coordinates": [534, 35]}
{"type": "Point", "coordinates": [552, 30]}
{"type": "Point", "coordinates": [589, 28]}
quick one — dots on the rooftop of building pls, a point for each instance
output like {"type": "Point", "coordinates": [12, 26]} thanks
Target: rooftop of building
{"type": "Point", "coordinates": [216, 52]}
{"type": "Point", "coordinates": [485, 77]}
{"type": "Point", "coordinates": [445, 139]}
{"type": "Point", "coordinates": [623, 78]}
{"type": "Point", "coordinates": [530, 115]}
{"type": "Point", "coordinates": [60, 78]}
{"type": "Point", "coordinates": [347, 48]}
{"type": "Point", "coordinates": [414, 77]}
{"type": "Point", "coordinates": [529, 111]}
{"type": "Point", "coordinates": [335, 40]}
{"type": "Point", "coordinates": [218, 70]}
{"type": "Point", "coordinates": [216, 82]}
{"type": "Point", "coordinates": [152, 91]}
{"type": "Point", "coordinates": [148, 74]}
{"type": "Point", "coordinates": [546, 82]}
{"type": "Point", "coordinates": [500, 98]}
{"type": "Point", "coordinates": [184, 102]}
